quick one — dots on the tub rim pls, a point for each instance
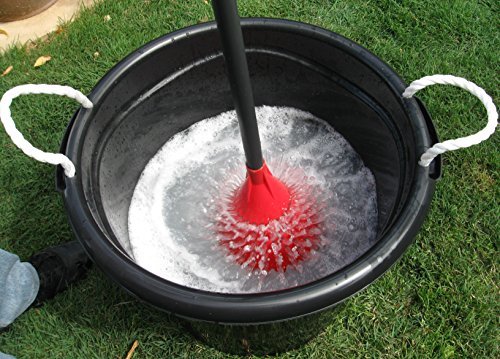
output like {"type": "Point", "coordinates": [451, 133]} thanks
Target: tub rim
{"type": "Point", "coordinates": [262, 307]}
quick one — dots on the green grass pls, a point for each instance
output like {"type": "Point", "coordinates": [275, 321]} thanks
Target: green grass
{"type": "Point", "coordinates": [440, 300]}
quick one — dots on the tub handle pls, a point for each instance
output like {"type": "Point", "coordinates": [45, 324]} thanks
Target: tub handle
{"type": "Point", "coordinates": [18, 138]}
{"type": "Point", "coordinates": [462, 142]}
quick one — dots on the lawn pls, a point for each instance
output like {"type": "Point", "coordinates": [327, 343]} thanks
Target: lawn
{"type": "Point", "coordinates": [440, 300]}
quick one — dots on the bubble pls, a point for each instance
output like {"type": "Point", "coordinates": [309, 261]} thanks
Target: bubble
{"type": "Point", "coordinates": [175, 214]}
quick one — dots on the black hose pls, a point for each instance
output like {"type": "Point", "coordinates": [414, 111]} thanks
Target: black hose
{"type": "Point", "coordinates": [228, 23]}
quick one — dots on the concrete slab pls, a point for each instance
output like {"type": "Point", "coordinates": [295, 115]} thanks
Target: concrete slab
{"type": "Point", "coordinates": [21, 31]}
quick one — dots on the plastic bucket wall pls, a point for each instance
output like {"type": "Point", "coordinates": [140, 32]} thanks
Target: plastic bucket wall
{"type": "Point", "coordinates": [179, 79]}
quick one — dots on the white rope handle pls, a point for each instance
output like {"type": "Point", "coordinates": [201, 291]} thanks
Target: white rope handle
{"type": "Point", "coordinates": [18, 138]}
{"type": "Point", "coordinates": [462, 142]}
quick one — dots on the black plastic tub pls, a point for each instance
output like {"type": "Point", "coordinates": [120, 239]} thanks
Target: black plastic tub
{"type": "Point", "coordinates": [179, 79]}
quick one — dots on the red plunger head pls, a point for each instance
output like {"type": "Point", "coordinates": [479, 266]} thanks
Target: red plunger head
{"type": "Point", "coordinates": [269, 225]}
{"type": "Point", "coordinates": [262, 197]}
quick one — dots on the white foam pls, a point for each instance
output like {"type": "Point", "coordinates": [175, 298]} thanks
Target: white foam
{"type": "Point", "coordinates": [174, 206]}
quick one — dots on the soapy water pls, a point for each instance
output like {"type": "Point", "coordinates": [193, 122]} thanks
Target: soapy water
{"type": "Point", "coordinates": [183, 197]}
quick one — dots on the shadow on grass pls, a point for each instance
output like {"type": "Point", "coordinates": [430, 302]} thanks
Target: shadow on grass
{"type": "Point", "coordinates": [103, 307]}
{"type": "Point", "coordinates": [97, 308]}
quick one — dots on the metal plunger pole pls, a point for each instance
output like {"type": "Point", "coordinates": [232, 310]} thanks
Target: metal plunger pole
{"type": "Point", "coordinates": [228, 24]}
